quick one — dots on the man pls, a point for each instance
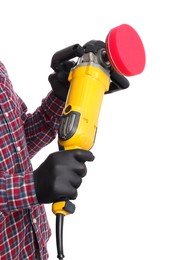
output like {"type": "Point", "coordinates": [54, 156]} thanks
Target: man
{"type": "Point", "coordinates": [24, 230]}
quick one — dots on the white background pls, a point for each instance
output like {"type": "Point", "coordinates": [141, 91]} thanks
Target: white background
{"type": "Point", "coordinates": [125, 205]}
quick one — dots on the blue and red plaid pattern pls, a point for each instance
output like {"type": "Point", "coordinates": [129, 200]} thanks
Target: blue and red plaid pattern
{"type": "Point", "coordinates": [24, 229]}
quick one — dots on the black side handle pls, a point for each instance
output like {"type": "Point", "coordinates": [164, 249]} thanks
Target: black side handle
{"type": "Point", "coordinates": [118, 82]}
{"type": "Point", "coordinates": [66, 54]}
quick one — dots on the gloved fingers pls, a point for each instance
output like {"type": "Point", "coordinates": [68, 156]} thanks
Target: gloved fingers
{"type": "Point", "coordinates": [62, 72]}
{"type": "Point", "coordinates": [74, 195]}
{"type": "Point", "coordinates": [83, 155]}
{"type": "Point", "coordinates": [81, 170]}
{"type": "Point", "coordinates": [68, 65]}
{"type": "Point", "coordinates": [67, 197]}
{"type": "Point", "coordinates": [62, 76]}
{"type": "Point", "coordinates": [70, 194]}
{"type": "Point", "coordinates": [52, 78]}
{"type": "Point", "coordinates": [65, 66]}
{"type": "Point", "coordinates": [76, 182]}
{"type": "Point", "coordinates": [66, 191]}
{"type": "Point", "coordinates": [58, 77]}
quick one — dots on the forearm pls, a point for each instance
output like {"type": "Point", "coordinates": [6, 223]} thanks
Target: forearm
{"type": "Point", "coordinates": [41, 127]}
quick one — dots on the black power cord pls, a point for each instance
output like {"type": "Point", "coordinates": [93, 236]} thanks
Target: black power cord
{"type": "Point", "coordinates": [59, 235]}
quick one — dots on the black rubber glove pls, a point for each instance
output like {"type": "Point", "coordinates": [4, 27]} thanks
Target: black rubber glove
{"type": "Point", "coordinates": [60, 175]}
{"type": "Point", "coordinates": [59, 80]}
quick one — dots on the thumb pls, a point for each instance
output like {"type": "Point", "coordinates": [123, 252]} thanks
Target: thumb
{"type": "Point", "coordinates": [83, 155]}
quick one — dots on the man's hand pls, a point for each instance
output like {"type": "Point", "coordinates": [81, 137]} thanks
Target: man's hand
{"type": "Point", "coordinates": [59, 80]}
{"type": "Point", "coordinates": [60, 175]}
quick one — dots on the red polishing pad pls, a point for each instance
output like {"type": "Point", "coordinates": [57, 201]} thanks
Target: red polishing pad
{"type": "Point", "coordinates": [125, 50]}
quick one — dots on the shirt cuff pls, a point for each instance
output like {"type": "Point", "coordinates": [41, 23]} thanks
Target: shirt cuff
{"type": "Point", "coordinates": [53, 105]}
{"type": "Point", "coordinates": [20, 191]}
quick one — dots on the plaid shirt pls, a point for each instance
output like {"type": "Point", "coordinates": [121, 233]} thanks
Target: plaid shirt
{"type": "Point", "coordinates": [24, 229]}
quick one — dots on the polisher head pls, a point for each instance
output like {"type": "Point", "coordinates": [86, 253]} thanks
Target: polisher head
{"type": "Point", "coordinates": [125, 50]}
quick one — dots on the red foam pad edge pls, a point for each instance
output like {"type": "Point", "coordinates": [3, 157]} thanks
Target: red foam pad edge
{"type": "Point", "coordinates": [125, 50]}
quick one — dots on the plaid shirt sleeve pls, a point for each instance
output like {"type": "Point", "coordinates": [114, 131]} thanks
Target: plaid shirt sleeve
{"type": "Point", "coordinates": [23, 135]}
{"type": "Point", "coordinates": [41, 127]}
{"type": "Point", "coordinates": [17, 191]}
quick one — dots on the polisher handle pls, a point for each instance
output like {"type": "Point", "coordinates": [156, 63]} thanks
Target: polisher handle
{"type": "Point", "coordinates": [68, 53]}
